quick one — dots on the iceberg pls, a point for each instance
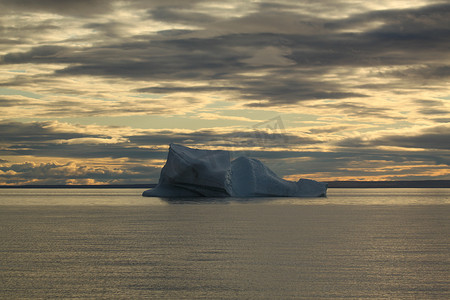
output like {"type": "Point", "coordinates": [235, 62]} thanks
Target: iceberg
{"type": "Point", "coordinates": [190, 172]}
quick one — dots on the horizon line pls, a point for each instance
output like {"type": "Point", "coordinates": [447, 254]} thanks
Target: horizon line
{"type": "Point", "coordinates": [431, 183]}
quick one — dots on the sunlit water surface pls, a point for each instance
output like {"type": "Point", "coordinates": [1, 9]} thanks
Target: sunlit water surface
{"type": "Point", "coordinates": [113, 243]}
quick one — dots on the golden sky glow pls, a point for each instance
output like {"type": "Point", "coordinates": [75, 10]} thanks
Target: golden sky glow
{"type": "Point", "coordinates": [94, 91]}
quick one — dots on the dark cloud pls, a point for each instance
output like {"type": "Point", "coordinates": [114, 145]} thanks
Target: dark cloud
{"type": "Point", "coordinates": [77, 8]}
{"type": "Point", "coordinates": [429, 103]}
{"type": "Point", "coordinates": [206, 60]}
{"type": "Point", "coordinates": [441, 120]}
{"type": "Point", "coordinates": [432, 108]}
{"type": "Point", "coordinates": [400, 20]}
{"type": "Point", "coordinates": [41, 54]}
{"type": "Point", "coordinates": [421, 76]}
{"type": "Point", "coordinates": [39, 132]}
{"type": "Point", "coordinates": [163, 3]}
{"type": "Point", "coordinates": [435, 138]}
{"type": "Point", "coordinates": [438, 138]}
{"type": "Point", "coordinates": [268, 90]}
{"type": "Point", "coordinates": [111, 29]}
{"type": "Point", "coordinates": [6, 41]}
{"type": "Point", "coordinates": [356, 109]}
{"type": "Point", "coordinates": [181, 16]}
{"type": "Point", "coordinates": [329, 129]}
{"type": "Point", "coordinates": [254, 138]}
{"type": "Point", "coordinates": [177, 89]}
{"type": "Point", "coordinates": [313, 49]}
{"type": "Point", "coordinates": [80, 108]}
{"type": "Point", "coordinates": [22, 33]}
{"type": "Point", "coordinates": [274, 93]}
{"type": "Point", "coordinates": [11, 102]}
{"type": "Point", "coordinates": [44, 139]}
{"type": "Point", "coordinates": [435, 111]}
{"type": "Point", "coordinates": [85, 150]}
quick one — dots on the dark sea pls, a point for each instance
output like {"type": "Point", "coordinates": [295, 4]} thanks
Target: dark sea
{"type": "Point", "coordinates": [115, 244]}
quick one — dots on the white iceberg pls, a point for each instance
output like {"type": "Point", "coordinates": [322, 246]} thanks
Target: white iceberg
{"type": "Point", "coordinates": [192, 172]}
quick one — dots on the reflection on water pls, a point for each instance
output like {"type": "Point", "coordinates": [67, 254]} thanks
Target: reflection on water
{"type": "Point", "coordinates": [106, 244]}
{"type": "Point", "coordinates": [87, 196]}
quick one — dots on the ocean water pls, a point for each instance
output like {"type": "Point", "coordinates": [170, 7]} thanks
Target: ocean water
{"type": "Point", "coordinates": [115, 244]}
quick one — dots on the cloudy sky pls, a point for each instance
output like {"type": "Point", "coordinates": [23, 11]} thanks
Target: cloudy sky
{"type": "Point", "coordinates": [93, 91]}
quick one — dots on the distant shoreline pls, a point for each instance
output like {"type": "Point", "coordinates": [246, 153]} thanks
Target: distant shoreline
{"type": "Point", "coordinates": [80, 186]}
{"type": "Point", "coordinates": [391, 184]}
{"type": "Point", "coordinates": [331, 184]}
